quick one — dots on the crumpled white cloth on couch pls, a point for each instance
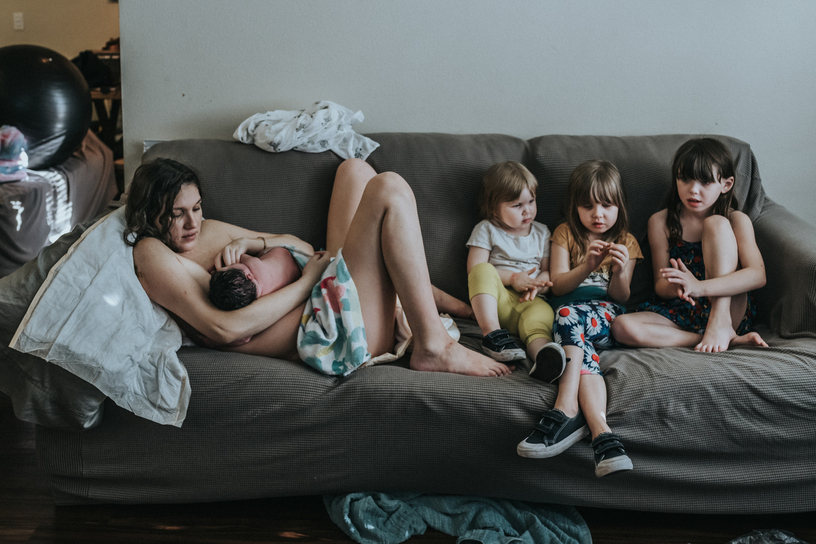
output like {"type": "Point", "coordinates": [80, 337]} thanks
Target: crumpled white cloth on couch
{"type": "Point", "coordinates": [92, 317]}
{"type": "Point", "coordinates": [325, 126]}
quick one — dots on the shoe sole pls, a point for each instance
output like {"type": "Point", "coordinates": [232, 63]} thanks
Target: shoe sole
{"type": "Point", "coordinates": [616, 464]}
{"type": "Point", "coordinates": [541, 451]}
{"type": "Point", "coordinates": [552, 365]}
{"type": "Point", "coordinates": [505, 356]}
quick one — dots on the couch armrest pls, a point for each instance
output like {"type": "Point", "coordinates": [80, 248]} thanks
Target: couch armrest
{"type": "Point", "coordinates": [788, 246]}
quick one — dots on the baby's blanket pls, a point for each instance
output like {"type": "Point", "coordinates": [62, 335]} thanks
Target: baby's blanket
{"type": "Point", "coordinates": [92, 317]}
{"type": "Point", "coordinates": [322, 127]}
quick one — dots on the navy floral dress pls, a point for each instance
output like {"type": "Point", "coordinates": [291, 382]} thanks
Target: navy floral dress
{"type": "Point", "coordinates": [688, 317]}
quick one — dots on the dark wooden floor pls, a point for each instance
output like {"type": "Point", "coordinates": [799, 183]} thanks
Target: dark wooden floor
{"type": "Point", "coordinates": [27, 514]}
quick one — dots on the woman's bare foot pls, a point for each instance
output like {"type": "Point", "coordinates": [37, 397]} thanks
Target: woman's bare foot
{"type": "Point", "coordinates": [457, 359]}
{"type": "Point", "coordinates": [716, 339]}
{"type": "Point", "coordinates": [749, 339]}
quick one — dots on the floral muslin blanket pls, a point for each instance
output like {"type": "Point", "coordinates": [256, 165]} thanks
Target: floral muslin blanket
{"type": "Point", "coordinates": [332, 338]}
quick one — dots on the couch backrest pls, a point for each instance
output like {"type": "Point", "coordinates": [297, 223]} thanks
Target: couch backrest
{"type": "Point", "coordinates": [289, 192]}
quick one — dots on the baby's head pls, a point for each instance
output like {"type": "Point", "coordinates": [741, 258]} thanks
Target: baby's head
{"type": "Point", "coordinates": [504, 182]}
{"type": "Point", "coordinates": [231, 289]}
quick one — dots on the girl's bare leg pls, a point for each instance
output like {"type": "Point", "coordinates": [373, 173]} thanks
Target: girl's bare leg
{"type": "Point", "coordinates": [592, 398]}
{"type": "Point", "coordinates": [651, 330]}
{"type": "Point", "coordinates": [570, 382]}
{"type": "Point", "coordinates": [721, 257]}
{"type": "Point", "coordinates": [384, 252]}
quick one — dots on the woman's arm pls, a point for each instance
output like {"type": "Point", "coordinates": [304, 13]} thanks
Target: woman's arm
{"type": "Point", "coordinates": [169, 283]}
{"type": "Point", "coordinates": [251, 242]}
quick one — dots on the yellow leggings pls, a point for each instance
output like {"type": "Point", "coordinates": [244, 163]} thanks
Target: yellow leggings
{"type": "Point", "coordinates": [529, 320]}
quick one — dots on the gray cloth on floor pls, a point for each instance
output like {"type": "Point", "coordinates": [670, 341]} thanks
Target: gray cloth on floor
{"type": "Point", "coordinates": [390, 518]}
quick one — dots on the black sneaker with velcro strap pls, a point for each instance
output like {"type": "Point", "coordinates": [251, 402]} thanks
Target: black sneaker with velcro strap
{"type": "Point", "coordinates": [609, 455]}
{"type": "Point", "coordinates": [502, 347]}
{"type": "Point", "coordinates": [553, 434]}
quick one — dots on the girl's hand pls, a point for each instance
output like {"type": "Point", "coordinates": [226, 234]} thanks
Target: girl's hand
{"type": "Point", "coordinates": [315, 267]}
{"type": "Point", "coordinates": [231, 254]}
{"type": "Point", "coordinates": [679, 275]}
{"type": "Point", "coordinates": [521, 281]}
{"type": "Point", "coordinates": [620, 256]}
{"type": "Point", "coordinates": [596, 253]}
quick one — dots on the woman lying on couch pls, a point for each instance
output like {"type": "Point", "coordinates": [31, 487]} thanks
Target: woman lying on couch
{"type": "Point", "coordinates": [372, 217]}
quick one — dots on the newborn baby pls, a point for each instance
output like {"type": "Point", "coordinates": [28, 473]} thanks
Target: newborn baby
{"type": "Point", "coordinates": [239, 284]}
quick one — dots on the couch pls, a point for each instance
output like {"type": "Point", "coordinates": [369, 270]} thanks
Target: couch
{"type": "Point", "coordinates": [728, 432]}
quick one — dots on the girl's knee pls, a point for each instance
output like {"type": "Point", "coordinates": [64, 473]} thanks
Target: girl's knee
{"type": "Point", "coordinates": [623, 331]}
{"type": "Point", "coordinates": [718, 227]}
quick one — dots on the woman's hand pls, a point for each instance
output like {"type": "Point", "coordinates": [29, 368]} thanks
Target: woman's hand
{"type": "Point", "coordinates": [232, 252]}
{"type": "Point", "coordinates": [687, 285]}
{"type": "Point", "coordinates": [314, 268]}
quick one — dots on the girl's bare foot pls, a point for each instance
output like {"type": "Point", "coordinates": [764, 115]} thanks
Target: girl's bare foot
{"type": "Point", "coordinates": [457, 359]}
{"type": "Point", "coordinates": [716, 339]}
{"type": "Point", "coordinates": [749, 339]}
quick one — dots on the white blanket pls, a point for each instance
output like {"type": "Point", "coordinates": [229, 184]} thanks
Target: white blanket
{"type": "Point", "coordinates": [93, 318]}
{"type": "Point", "coordinates": [324, 126]}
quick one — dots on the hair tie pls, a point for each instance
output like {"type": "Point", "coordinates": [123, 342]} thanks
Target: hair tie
{"type": "Point", "coordinates": [262, 239]}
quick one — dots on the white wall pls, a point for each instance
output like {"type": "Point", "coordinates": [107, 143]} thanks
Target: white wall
{"type": "Point", "coordinates": [744, 68]}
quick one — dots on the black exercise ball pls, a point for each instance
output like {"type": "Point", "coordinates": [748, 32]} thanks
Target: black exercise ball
{"type": "Point", "coordinates": [46, 97]}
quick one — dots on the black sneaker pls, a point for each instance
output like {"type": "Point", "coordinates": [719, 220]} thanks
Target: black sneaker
{"type": "Point", "coordinates": [609, 455]}
{"type": "Point", "coordinates": [502, 347]}
{"type": "Point", "coordinates": [553, 434]}
{"type": "Point", "coordinates": [549, 364]}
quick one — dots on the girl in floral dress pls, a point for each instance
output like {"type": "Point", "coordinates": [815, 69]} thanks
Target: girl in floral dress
{"type": "Point", "coordinates": [705, 260]}
{"type": "Point", "coordinates": [592, 259]}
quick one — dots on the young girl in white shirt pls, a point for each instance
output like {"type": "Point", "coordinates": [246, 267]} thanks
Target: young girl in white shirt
{"type": "Point", "coordinates": [508, 270]}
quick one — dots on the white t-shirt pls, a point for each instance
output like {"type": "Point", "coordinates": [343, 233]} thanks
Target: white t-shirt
{"type": "Point", "coordinates": [509, 252]}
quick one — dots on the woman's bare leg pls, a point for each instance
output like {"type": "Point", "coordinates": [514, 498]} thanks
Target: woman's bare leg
{"type": "Point", "coordinates": [384, 252]}
{"type": "Point", "coordinates": [349, 183]}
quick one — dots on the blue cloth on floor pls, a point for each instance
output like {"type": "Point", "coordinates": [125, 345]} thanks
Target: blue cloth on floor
{"type": "Point", "coordinates": [390, 518]}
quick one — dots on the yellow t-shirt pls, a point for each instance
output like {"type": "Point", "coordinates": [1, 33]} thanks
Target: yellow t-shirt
{"type": "Point", "coordinates": [601, 276]}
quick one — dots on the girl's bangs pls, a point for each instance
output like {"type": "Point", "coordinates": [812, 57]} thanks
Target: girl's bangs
{"type": "Point", "coordinates": [695, 169]}
{"type": "Point", "coordinates": [601, 192]}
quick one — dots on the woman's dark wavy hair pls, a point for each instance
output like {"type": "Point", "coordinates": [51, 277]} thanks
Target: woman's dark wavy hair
{"type": "Point", "coordinates": [698, 160]}
{"type": "Point", "coordinates": [595, 181]}
{"type": "Point", "coordinates": [230, 289]}
{"type": "Point", "coordinates": [149, 208]}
